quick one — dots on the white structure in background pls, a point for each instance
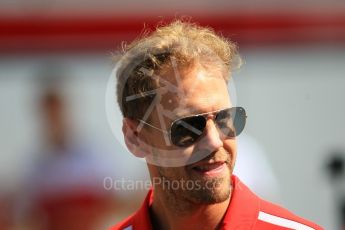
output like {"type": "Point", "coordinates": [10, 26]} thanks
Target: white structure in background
{"type": "Point", "coordinates": [254, 169]}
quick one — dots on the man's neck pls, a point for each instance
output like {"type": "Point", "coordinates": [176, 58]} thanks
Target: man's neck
{"type": "Point", "coordinates": [170, 214]}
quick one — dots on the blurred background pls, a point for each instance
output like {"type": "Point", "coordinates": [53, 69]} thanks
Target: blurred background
{"type": "Point", "coordinates": [57, 147]}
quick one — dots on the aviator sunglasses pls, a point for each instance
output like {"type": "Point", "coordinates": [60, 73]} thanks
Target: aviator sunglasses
{"type": "Point", "coordinates": [186, 130]}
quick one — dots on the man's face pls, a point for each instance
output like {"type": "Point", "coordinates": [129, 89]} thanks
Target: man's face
{"type": "Point", "coordinates": [207, 179]}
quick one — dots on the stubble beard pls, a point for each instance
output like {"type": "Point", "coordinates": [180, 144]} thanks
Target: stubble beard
{"type": "Point", "coordinates": [214, 190]}
{"type": "Point", "coordinates": [207, 190]}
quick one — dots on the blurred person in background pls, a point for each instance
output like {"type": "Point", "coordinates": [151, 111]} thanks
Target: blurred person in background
{"type": "Point", "coordinates": [336, 171]}
{"type": "Point", "coordinates": [64, 189]}
{"type": "Point", "coordinates": [189, 138]}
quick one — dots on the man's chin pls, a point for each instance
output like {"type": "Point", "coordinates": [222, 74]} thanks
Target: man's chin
{"type": "Point", "coordinates": [213, 190]}
{"type": "Point", "coordinates": [210, 188]}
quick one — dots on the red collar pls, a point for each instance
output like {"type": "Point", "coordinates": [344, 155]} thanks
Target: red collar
{"type": "Point", "coordinates": [242, 212]}
{"type": "Point", "coordinates": [243, 209]}
{"type": "Point", "coordinates": [141, 219]}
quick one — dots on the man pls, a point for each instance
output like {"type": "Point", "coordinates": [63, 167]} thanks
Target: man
{"type": "Point", "coordinates": [173, 94]}
{"type": "Point", "coordinates": [61, 189]}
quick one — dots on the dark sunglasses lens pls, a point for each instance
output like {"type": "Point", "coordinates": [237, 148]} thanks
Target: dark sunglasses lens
{"type": "Point", "coordinates": [231, 121]}
{"type": "Point", "coordinates": [185, 131]}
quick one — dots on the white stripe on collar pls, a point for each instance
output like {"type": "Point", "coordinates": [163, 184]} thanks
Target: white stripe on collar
{"type": "Point", "coordinates": [276, 220]}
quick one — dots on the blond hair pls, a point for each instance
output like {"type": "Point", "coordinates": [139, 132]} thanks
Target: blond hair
{"type": "Point", "coordinates": [186, 42]}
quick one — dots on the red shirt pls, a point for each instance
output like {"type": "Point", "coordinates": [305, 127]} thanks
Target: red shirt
{"type": "Point", "coordinates": [246, 211]}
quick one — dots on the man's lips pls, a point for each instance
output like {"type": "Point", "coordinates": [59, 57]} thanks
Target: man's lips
{"type": "Point", "coordinates": [210, 168]}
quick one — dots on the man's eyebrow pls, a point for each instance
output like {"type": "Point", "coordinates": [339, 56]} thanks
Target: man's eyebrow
{"type": "Point", "coordinates": [185, 112]}
{"type": "Point", "coordinates": [182, 113]}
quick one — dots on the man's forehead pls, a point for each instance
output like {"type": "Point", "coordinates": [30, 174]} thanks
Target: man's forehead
{"type": "Point", "coordinates": [203, 104]}
{"type": "Point", "coordinates": [190, 91]}
{"type": "Point", "coordinates": [194, 103]}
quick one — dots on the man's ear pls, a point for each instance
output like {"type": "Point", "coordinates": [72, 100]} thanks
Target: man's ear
{"type": "Point", "coordinates": [132, 138]}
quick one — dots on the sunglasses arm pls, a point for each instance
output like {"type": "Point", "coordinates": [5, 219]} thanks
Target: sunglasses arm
{"type": "Point", "coordinates": [152, 126]}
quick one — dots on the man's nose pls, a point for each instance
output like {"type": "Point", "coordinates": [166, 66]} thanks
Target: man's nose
{"type": "Point", "coordinates": [211, 139]}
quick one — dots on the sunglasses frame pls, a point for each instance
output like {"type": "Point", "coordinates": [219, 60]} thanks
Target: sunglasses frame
{"type": "Point", "coordinates": [215, 113]}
